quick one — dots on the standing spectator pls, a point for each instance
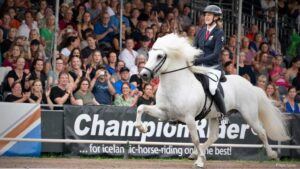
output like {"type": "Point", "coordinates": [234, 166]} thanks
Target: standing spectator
{"type": "Point", "coordinates": [63, 93]}
{"type": "Point", "coordinates": [125, 98]}
{"type": "Point", "coordinates": [273, 95]}
{"type": "Point", "coordinates": [148, 96]}
{"type": "Point", "coordinates": [28, 24]}
{"type": "Point", "coordinates": [84, 96]}
{"type": "Point", "coordinates": [291, 106]}
{"type": "Point", "coordinates": [124, 77]}
{"type": "Point", "coordinates": [17, 95]}
{"type": "Point", "coordinates": [102, 87]}
{"type": "Point", "coordinates": [38, 73]}
{"type": "Point", "coordinates": [128, 54]}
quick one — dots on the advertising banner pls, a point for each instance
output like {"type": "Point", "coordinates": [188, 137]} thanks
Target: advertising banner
{"type": "Point", "coordinates": [117, 123]}
{"type": "Point", "coordinates": [20, 121]}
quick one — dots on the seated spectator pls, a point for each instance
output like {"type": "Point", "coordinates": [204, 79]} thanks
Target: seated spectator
{"type": "Point", "coordinates": [112, 62]}
{"type": "Point", "coordinates": [116, 39]}
{"type": "Point", "coordinates": [124, 77]}
{"type": "Point", "coordinates": [11, 56]}
{"type": "Point", "coordinates": [273, 95]}
{"type": "Point", "coordinates": [63, 93]}
{"type": "Point", "coordinates": [261, 82]}
{"type": "Point", "coordinates": [246, 69]}
{"type": "Point", "coordinates": [229, 68]}
{"type": "Point", "coordinates": [249, 54]}
{"type": "Point", "coordinates": [225, 56]}
{"type": "Point", "coordinates": [277, 75]}
{"type": "Point", "coordinates": [71, 43]}
{"type": "Point", "coordinates": [253, 32]}
{"type": "Point", "coordinates": [102, 88]}
{"type": "Point", "coordinates": [147, 97]}
{"type": "Point", "coordinates": [36, 51]}
{"type": "Point", "coordinates": [128, 54]}
{"type": "Point", "coordinates": [84, 24]}
{"type": "Point", "coordinates": [293, 70]}
{"type": "Point", "coordinates": [28, 24]}
{"type": "Point", "coordinates": [84, 96]}
{"type": "Point", "coordinates": [289, 101]}
{"type": "Point", "coordinates": [104, 30]}
{"type": "Point", "coordinates": [125, 98]}
{"type": "Point", "coordinates": [136, 79]}
{"type": "Point", "coordinates": [87, 51]}
{"type": "Point", "coordinates": [38, 95]}
{"type": "Point", "coordinates": [258, 39]}
{"type": "Point", "coordinates": [18, 75]}
{"type": "Point", "coordinates": [17, 96]}
{"type": "Point", "coordinates": [296, 81]}
{"type": "Point", "coordinates": [144, 48]}
{"type": "Point", "coordinates": [7, 42]}
{"type": "Point", "coordinates": [76, 72]}
{"type": "Point", "coordinates": [117, 75]}
{"type": "Point", "coordinates": [261, 64]}
{"type": "Point", "coordinates": [96, 62]}
{"type": "Point", "coordinates": [53, 74]}
{"type": "Point", "coordinates": [38, 73]}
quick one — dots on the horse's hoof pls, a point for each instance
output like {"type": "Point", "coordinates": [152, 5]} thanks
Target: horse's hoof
{"type": "Point", "coordinates": [192, 157]}
{"type": "Point", "coordinates": [142, 128]}
{"type": "Point", "coordinates": [198, 165]}
{"type": "Point", "coordinates": [273, 155]}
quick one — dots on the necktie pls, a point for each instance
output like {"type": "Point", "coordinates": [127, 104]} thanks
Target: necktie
{"type": "Point", "coordinates": [206, 35]}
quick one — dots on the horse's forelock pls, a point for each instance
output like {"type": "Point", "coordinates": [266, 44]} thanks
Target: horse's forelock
{"type": "Point", "coordinates": [177, 46]}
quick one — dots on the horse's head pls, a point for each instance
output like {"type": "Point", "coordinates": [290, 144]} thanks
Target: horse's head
{"type": "Point", "coordinates": [169, 53]}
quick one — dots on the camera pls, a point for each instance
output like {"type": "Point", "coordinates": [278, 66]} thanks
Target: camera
{"type": "Point", "coordinates": [102, 73]}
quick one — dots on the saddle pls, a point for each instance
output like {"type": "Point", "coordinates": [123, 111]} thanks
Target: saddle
{"type": "Point", "coordinates": [204, 80]}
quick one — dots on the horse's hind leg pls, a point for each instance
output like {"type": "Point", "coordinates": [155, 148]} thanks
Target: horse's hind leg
{"type": "Point", "coordinates": [213, 129]}
{"type": "Point", "coordinates": [191, 124]}
{"type": "Point", "coordinates": [255, 123]}
{"type": "Point", "coordinates": [153, 111]}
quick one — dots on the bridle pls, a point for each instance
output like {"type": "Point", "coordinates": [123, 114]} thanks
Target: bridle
{"type": "Point", "coordinates": [160, 64]}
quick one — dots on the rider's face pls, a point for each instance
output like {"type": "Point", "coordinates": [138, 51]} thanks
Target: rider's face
{"type": "Point", "coordinates": [209, 17]}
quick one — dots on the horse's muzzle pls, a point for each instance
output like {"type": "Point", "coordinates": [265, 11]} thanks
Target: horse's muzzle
{"type": "Point", "coordinates": [146, 75]}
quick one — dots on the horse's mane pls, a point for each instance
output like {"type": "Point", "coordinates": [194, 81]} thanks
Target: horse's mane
{"type": "Point", "coordinates": [177, 46]}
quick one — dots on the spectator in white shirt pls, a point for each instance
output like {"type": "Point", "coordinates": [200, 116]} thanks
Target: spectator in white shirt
{"type": "Point", "coordinates": [27, 24]}
{"type": "Point", "coordinates": [128, 55]}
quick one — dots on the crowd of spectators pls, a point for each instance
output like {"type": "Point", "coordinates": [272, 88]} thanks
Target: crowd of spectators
{"type": "Point", "coordinates": [92, 67]}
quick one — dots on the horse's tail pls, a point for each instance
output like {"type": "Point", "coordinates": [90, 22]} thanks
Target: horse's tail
{"type": "Point", "coordinates": [271, 117]}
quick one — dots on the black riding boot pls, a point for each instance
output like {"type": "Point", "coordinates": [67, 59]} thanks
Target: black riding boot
{"type": "Point", "coordinates": [219, 100]}
{"type": "Point", "coordinates": [222, 77]}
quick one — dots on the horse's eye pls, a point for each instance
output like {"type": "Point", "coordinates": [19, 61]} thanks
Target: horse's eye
{"type": "Point", "coordinates": [159, 57]}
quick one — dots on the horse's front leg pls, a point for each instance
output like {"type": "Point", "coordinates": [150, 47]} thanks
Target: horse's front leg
{"type": "Point", "coordinates": [153, 111]}
{"type": "Point", "coordinates": [191, 124]}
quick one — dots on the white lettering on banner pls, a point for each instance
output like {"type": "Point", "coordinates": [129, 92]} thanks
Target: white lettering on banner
{"type": "Point", "coordinates": [154, 150]}
{"type": "Point", "coordinates": [78, 120]}
{"type": "Point", "coordinates": [87, 125]}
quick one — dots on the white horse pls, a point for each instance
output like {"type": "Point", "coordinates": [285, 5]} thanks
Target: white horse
{"type": "Point", "coordinates": [180, 97]}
